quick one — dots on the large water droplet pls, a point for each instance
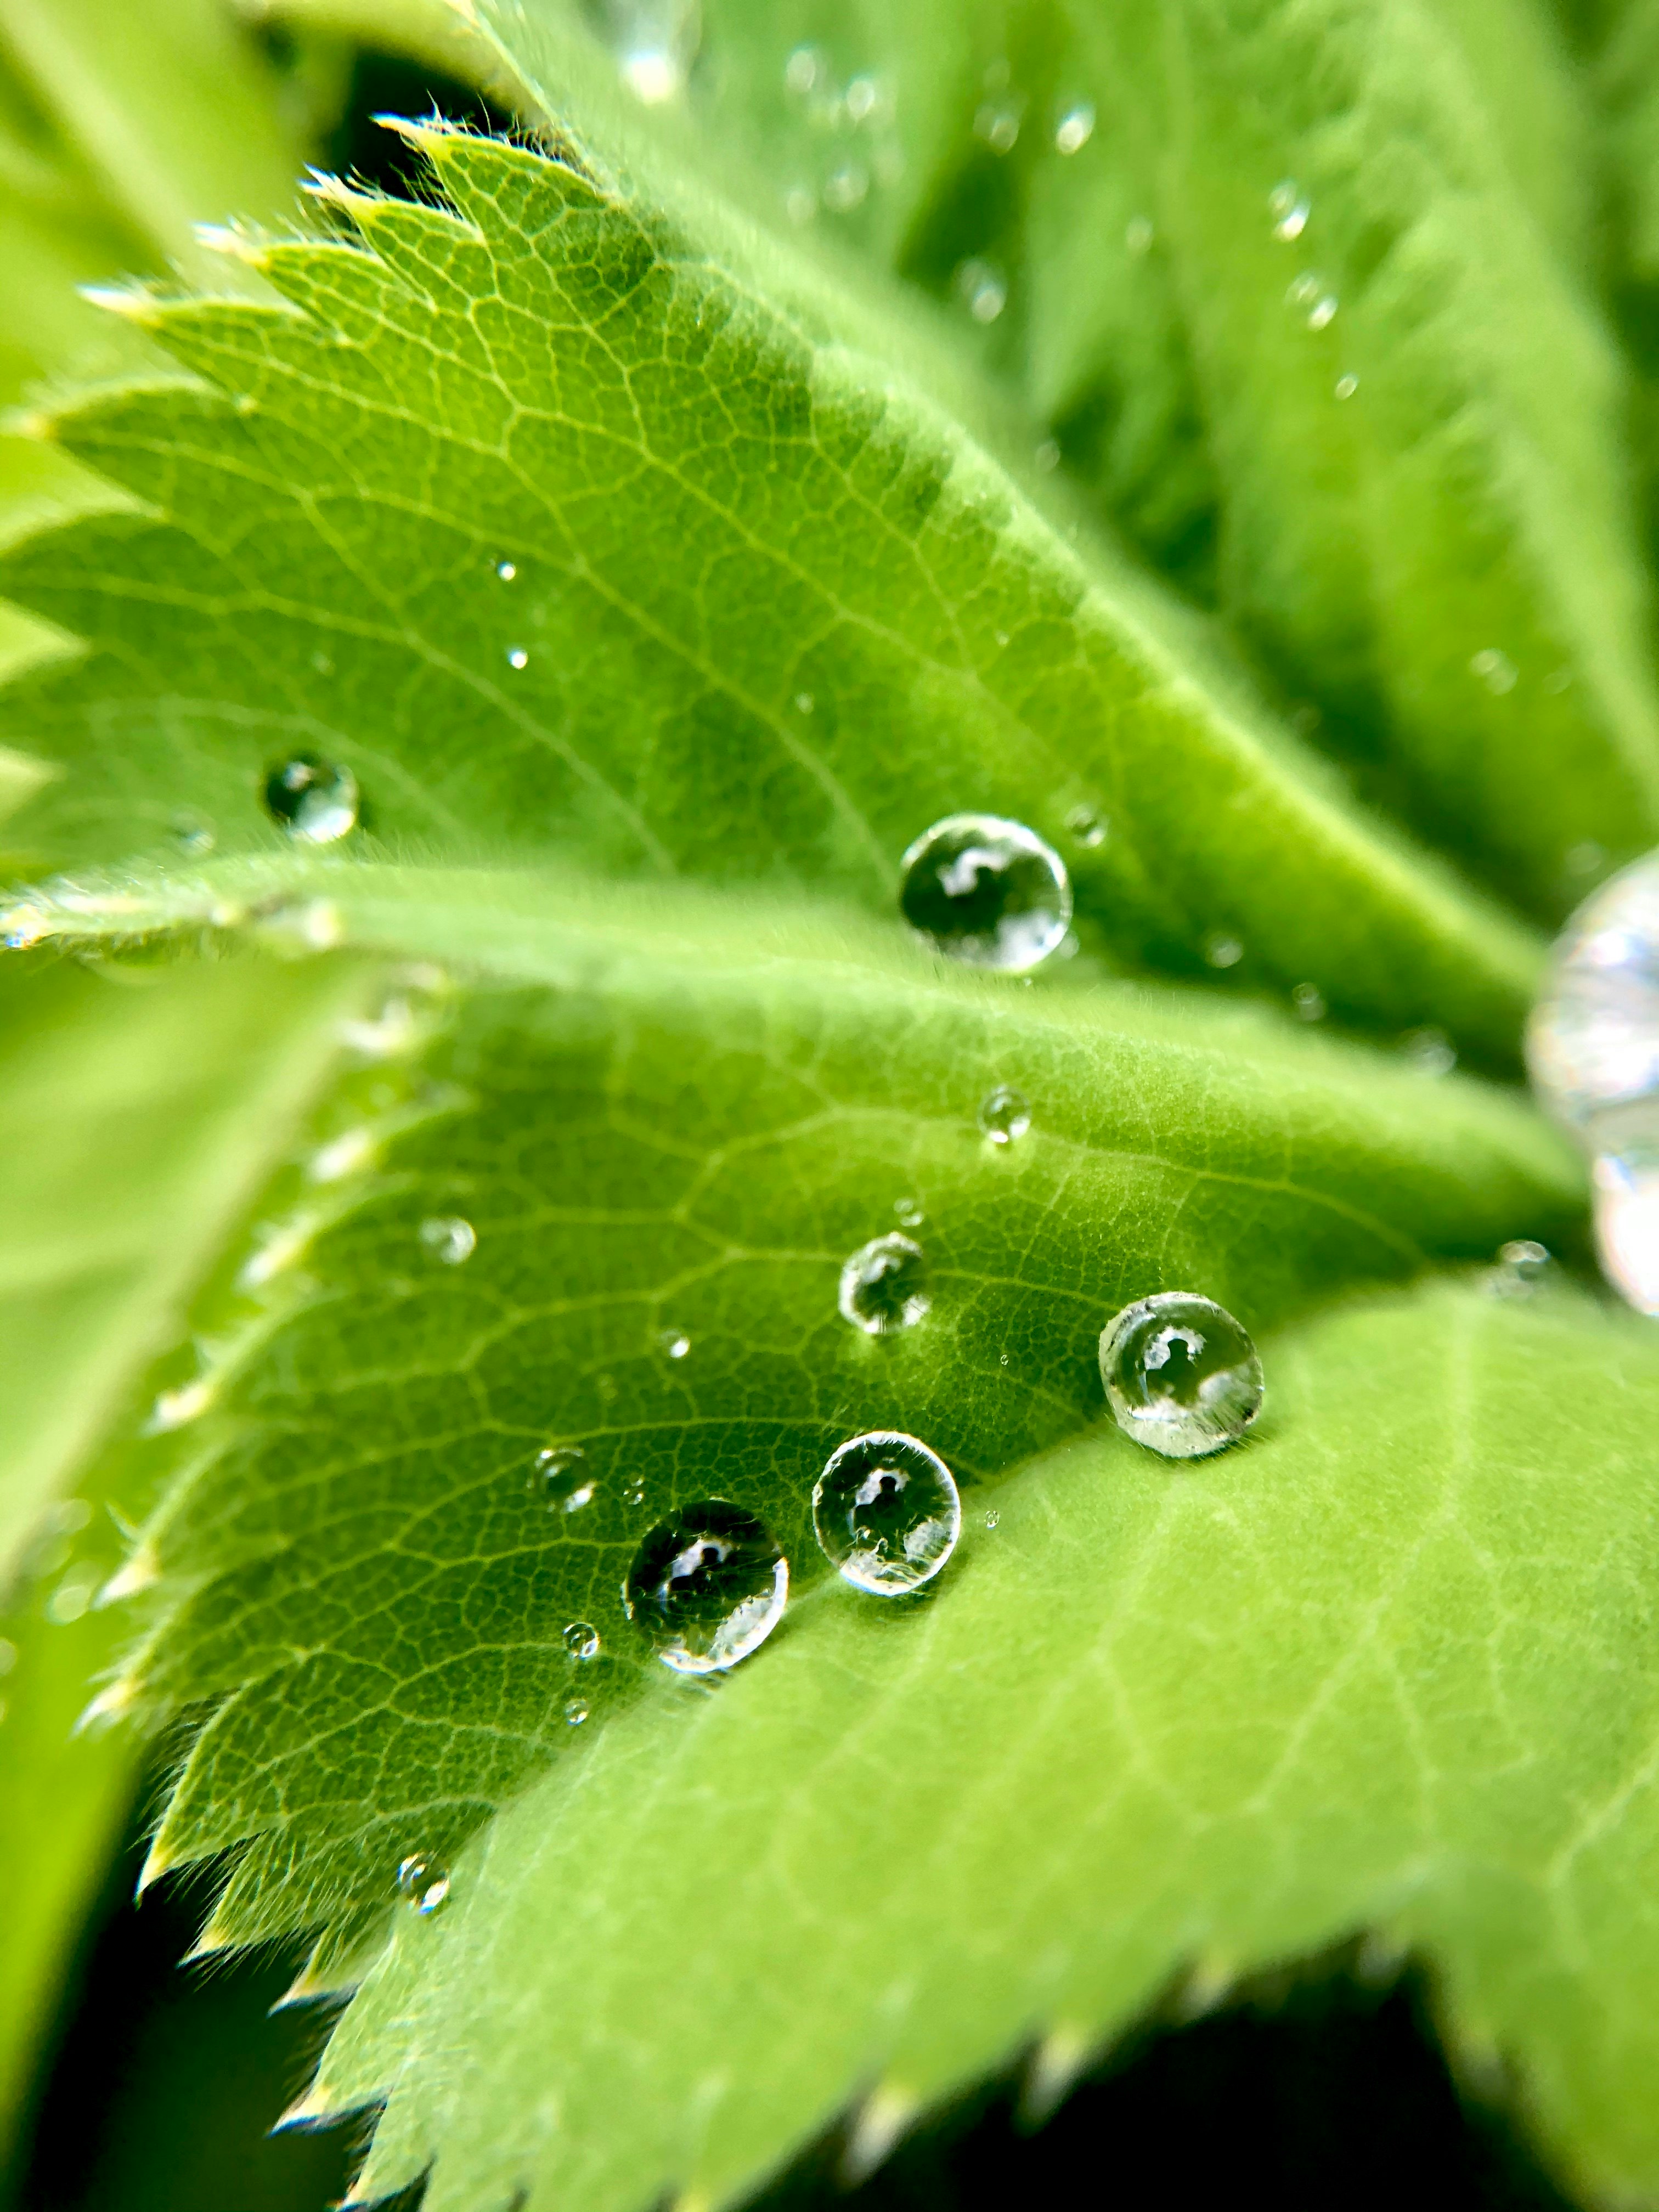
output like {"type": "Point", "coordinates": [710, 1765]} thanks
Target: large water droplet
{"type": "Point", "coordinates": [886, 1512]}
{"type": "Point", "coordinates": [707, 1586]}
{"type": "Point", "coordinates": [986, 890]}
{"type": "Point", "coordinates": [1182, 1375]}
{"type": "Point", "coordinates": [424, 1883]}
{"type": "Point", "coordinates": [562, 1476]}
{"type": "Point", "coordinates": [1003, 1115]}
{"type": "Point", "coordinates": [315, 800]}
{"type": "Point", "coordinates": [1593, 1042]}
{"type": "Point", "coordinates": [884, 1286]}
{"type": "Point", "coordinates": [581, 1640]}
{"type": "Point", "coordinates": [1626, 1185]}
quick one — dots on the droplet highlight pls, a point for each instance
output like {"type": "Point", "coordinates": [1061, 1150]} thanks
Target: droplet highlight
{"type": "Point", "coordinates": [884, 1286]}
{"type": "Point", "coordinates": [564, 1478]}
{"type": "Point", "coordinates": [987, 891]}
{"type": "Point", "coordinates": [425, 1884]}
{"type": "Point", "coordinates": [886, 1512]}
{"type": "Point", "coordinates": [1182, 1375]}
{"type": "Point", "coordinates": [316, 801]}
{"type": "Point", "coordinates": [581, 1640]}
{"type": "Point", "coordinates": [1087, 826]}
{"type": "Point", "coordinates": [1075, 128]}
{"type": "Point", "coordinates": [707, 1586]}
{"type": "Point", "coordinates": [1003, 1115]}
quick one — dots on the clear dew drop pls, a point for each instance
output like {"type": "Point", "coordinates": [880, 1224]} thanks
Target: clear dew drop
{"type": "Point", "coordinates": [518, 656]}
{"type": "Point", "coordinates": [1495, 669]}
{"type": "Point", "coordinates": [673, 1343]}
{"type": "Point", "coordinates": [1003, 1115]}
{"type": "Point", "coordinates": [886, 1512]}
{"type": "Point", "coordinates": [1289, 210]}
{"type": "Point", "coordinates": [316, 801]}
{"type": "Point", "coordinates": [1182, 1375]}
{"type": "Point", "coordinates": [1075, 128]}
{"type": "Point", "coordinates": [1087, 826]}
{"type": "Point", "coordinates": [1345, 387]}
{"type": "Point", "coordinates": [992, 1518]}
{"type": "Point", "coordinates": [507, 570]}
{"type": "Point", "coordinates": [1309, 1001]}
{"type": "Point", "coordinates": [846, 188]}
{"type": "Point", "coordinates": [575, 1711]}
{"type": "Point", "coordinates": [1593, 1041]}
{"type": "Point", "coordinates": [1521, 1266]}
{"type": "Point", "coordinates": [193, 834]}
{"type": "Point", "coordinates": [707, 1586]}
{"type": "Point", "coordinates": [987, 891]}
{"type": "Point", "coordinates": [654, 41]}
{"type": "Point", "coordinates": [996, 123]}
{"type": "Point", "coordinates": [884, 1286]}
{"type": "Point", "coordinates": [1430, 1051]}
{"type": "Point", "coordinates": [581, 1640]}
{"type": "Point", "coordinates": [982, 288]}
{"type": "Point", "coordinates": [424, 1883]}
{"type": "Point", "coordinates": [634, 1491]}
{"type": "Point", "coordinates": [1222, 950]}
{"type": "Point", "coordinates": [1625, 1186]}
{"type": "Point", "coordinates": [807, 68]}
{"type": "Point", "coordinates": [564, 1478]}
{"type": "Point", "coordinates": [449, 1239]}
{"type": "Point", "coordinates": [909, 1212]}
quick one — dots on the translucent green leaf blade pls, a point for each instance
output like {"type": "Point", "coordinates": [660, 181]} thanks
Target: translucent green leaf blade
{"type": "Point", "coordinates": [685, 1139]}
{"type": "Point", "coordinates": [1385, 1667]}
{"type": "Point", "coordinates": [429, 522]}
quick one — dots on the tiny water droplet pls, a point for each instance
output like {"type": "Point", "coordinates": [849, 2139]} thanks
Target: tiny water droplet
{"type": "Point", "coordinates": [1430, 1051]}
{"type": "Point", "coordinates": [1137, 234]}
{"type": "Point", "coordinates": [707, 1586]}
{"type": "Point", "coordinates": [1087, 826]}
{"type": "Point", "coordinates": [987, 891]}
{"type": "Point", "coordinates": [982, 288]}
{"type": "Point", "coordinates": [1322, 314]}
{"type": "Point", "coordinates": [1075, 128]}
{"type": "Point", "coordinates": [1002, 1359]}
{"type": "Point", "coordinates": [1345, 387]}
{"type": "Point", "coordinates": [1522, 1266]}
{"type": "Point", "coordinates": [992, 1518]}
{"type": "Point", "coordinates": [1222, 950]}
{"type": "Point", "coordinates": [449, 1239]}
{"type": "Point", "coordinates": [193, 834]}
{"type": "Point", "coordinates": [634, 1491]}
{"type": "Point", "coordinates": [863, 98]}
{"type": "Point", "coordinates": [884, 1286]}
{"type": "Point", "coordinates": [575, 1711]}
{"type": "Point", "coordinates": [673, 1343]}
{"type": "Point", "coordinates": [581, 1640]}
{"type": "Point", "coordinates": [562, 1475]}
{"type": "Point", "coordinates": [807, 68]}
{"type": "Point", "coordinates": [997, 123]}
{"type": "Point", "coordinates": [1496, 671]}
{"type": "Point", "coordinates": [1047, 456]}
{"type": "Point", "coordinates": [425, 1884]}
{"type": "Point", "coordinates": [507, 570]}
{"type": "Point", "coordinates": [886, 1513]}
{"type": "Point", "coordinates": [1289, 209]}
{"type": "Point", "coordinates": [909, 1212]}
{"type": "Point", "coordinates": [845, 188]}
{"type": "Point", "coordinates": [518, 656]}
{"type": "Point", "coordinates": [1182, 1375]}
{"type": "Point", "coordinates": [1003, 1115]}
{"type": "Point", "coordinates": [1309, 1002]}
{"type": "Point", "coordinates": [314, 800]}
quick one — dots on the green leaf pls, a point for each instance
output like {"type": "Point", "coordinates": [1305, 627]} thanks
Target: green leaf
{"type": "Point", "coordinates": [140, 1111]}
{"type": "Point", "coordinates": [705, 1115]}
{"type": "Point", "coordinates": [1389, 1666]}
{"type": "Point", "coordinates": [881, 625]}
{"type": "Point", "coordinates": [1469, 498]}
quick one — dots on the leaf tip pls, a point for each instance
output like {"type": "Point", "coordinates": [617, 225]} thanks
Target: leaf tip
{"type": "Point", "coordinates": [112, 1704]}
{"type": "Point", "coordinates": [235, 243]}
{"type": "Point", "coordinates": [1052, 2066]}
{"type": "Point", "coordinates": [884, 2117]}
{"type": "Point", "coordinates": [139, 1573]}
{"type": "Point", "coordinates": [134, 302]}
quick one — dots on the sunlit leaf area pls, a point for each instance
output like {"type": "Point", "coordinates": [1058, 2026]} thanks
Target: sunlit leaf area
{"type": "Point", "coordinates": [828, 1104]}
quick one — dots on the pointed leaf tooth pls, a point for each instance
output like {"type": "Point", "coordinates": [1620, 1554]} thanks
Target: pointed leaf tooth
{"type": "Point", "coordinates": [139, 1572]}
{"type": "Point", "coordinates": [1052, 2066]}
{"type": "Point", "coordinates": [881, 2119]}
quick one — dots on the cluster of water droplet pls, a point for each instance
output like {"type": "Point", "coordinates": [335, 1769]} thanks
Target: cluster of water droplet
{"type": "Point", "coordinates": [849, 140]}
{"type": "Point", "coordinates": [1593, 1049]}
{"type": "Point", "coordinates": [654, 41]}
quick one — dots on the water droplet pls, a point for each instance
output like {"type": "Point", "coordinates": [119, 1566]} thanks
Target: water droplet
{"type": "Point", "coordinates": [1625, 1190]}
{"type": "Point", "coordinates": [174, 1409]}
{"type": "Point", "coordinates": [654, 41]}
{"type": "Point", "coordinates": [863, 98]}
{"type": "Point", "coordinates": [986, 890]}
{"type": "Point", "coordinates": [1322, 314]}
{"type": "Point", "coordinates": [1047, 456]}
{"type": "Point", "coordinates": [997, 122]}
{"type": "Point", "coordinates": [845, 188]}
{"type": "Point", "coordinates": [1087, 826]}
{"type": "Point", "coordinates": [1496, 671]}
{"type": "Point", "coordinates": [314, 800]}
{"type": "Point", "coordinates": [992, 1518]}
{"type": "Point", "coordinates": [518, 656]}
{"type": "Point", "coordinates": [1222, 950]}
{"type": "Point", "coordinates": [581, 1640]}
{"type": "Point", "coordinates": [673, 1343]}
{"type": "Point", "coordinates": [807, 68]}
{"type": "Point", "coordinates": [424, 1883]}
{"type": "Point", "coordinates": [1522, 1265]}
{"type": "Point", "coordinates": [707, 1586]}
{"type": "Point", "coordinates": [1593, 1042]}
{"type": "Point", "coordinates": [909, 1212]}
{"type": "Point", "coordinates": [507, 570]}
{"type": "Point", "coordinates": [193, 834]}
{"type": "Point", "coordinates": [634, 1491]}
{"type": "Point", "coordinates": [1345, 387]}
{"type": "Point", "coordinates": [886, 1513]}
{"type": "Point", "coordinates": [1137, 234]}
{"type": "Point", "coordinates": [1182, 1375]}
{"type": "Point", "coordinates": [575, 1711]}
{"type": "Point", "coordinates": [562, 1475]}
{"type": "Point", "coordinates": [1003, 1115]}
{"type": "Point", "coordinates": [982, 288]}
{"type": "Point", "coordinates": [1075, 128]}
{"type": "Point", "coordinates": [1309, 1002]}
{"type": "Point", "coordinates": [1430, 1051]}
{"type": "Point", "coordinates": [1289, 210]}
{"type": "Point", "coordinates": [884, 1286]}
{"type": "Point", "coordinates": [449, 1239]}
